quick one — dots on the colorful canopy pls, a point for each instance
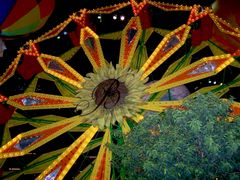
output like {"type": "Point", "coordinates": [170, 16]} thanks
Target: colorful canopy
{"type": "Point", "coordinates": [20, 17]}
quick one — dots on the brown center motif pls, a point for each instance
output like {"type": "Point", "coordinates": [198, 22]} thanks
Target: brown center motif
{"type": "Point", "coordinates": [110, 93]}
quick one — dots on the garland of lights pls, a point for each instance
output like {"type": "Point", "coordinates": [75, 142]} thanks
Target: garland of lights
{"type": "Point", "coordinates": [81, 16]}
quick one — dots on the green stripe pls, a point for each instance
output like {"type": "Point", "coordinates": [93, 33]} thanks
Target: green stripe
{"type": "Point", "coordinates": [31, 166]}
{"type": "Point", "coordinates": [45, 161]}
{"type": "Point", "coordinates": [139, 60]}
{"type": "Point", "coordinates": [154, 95]}
{"type": "Point", "coordinates": [63, 84]}
{"type": "Point", "coordinates": [225, 85]}
{"type": "Point", "coordinates": [44, 121]}
{"type": "Point", "coordinates": [218, 46]}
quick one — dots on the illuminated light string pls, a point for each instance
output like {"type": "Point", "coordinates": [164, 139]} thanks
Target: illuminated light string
{"type": "Point", "coordinates": [81, 15]}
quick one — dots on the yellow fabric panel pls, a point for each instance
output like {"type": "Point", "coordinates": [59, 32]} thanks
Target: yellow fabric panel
{"type": "Point", "coordinates": [113, 36]}
{"type": "Point", "coordinates": [5, 139]}
{"type": "Point", "coordinates": [215, 50]}
{"type": "Point", "coordinates": [235, 64]}
{"type": "Point", "coordinates": [199, 47]}
{"type": "Point", "coordinates": [70, 53]}
{"type": "Point", "coordinates": [62, 90]}
{"type": "Point", "coordinates": [32, 85]}
{"type": "Point", "coordinates": [148, 33]}
{"type": "Point", "coordinates": [171, 68]}
{"type": "Point", "coordinates": [162, 32]}
{"type": "Point", "coordinates": [237, 83]}
{"type": "Point", "coordinates": [140, 57]}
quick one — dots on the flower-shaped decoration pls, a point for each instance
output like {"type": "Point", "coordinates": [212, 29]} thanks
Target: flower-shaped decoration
{"type": "Point", "coordinates": [109, 98]}
{"type": "Point", "coordinates": [111, 94]}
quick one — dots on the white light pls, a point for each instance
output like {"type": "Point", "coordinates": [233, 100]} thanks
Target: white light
{"type": "Point", "coordinates": [221, 84]}
{"type": "Point", "coordinates": [122, 18]}
{"type": "Point", "coordinates": [114, 17]}
{"type": "Point", "coordinates": [215, 82]}
{"type": "Point", "coordinates": [209, 81]}
{"type": "Point", "coordinates": [65, 32]}
{"type": "Point", "coordinates": [58, 37]}
{"type": "Point", "coordinates": [99, 17]}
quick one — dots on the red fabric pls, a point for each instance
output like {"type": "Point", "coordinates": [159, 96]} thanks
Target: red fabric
{"type": "Point", "coordinates": [145, 18]}
{"type": "Point", "coordinates": [21, 8]}
{"type": "Point", "coordinates": [206, 28]}
{"type": "Point", "coordinates": [29, 67]}
{"type": "Point", "coordinates": [75, 36]}
{"type": "Point", "coordinates": [6, 113]}
{"type": "Point", "coordinates": [224, 41]}
{"type": "Point", "coordinates": [196, 37]}
{"type": "Point", "coordinates": [46, 7]}
{"type": "Point", "coordinates": [204, 33]}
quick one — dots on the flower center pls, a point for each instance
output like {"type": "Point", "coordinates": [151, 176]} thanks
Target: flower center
{"type": "Point", "coordinates": [110, 93]}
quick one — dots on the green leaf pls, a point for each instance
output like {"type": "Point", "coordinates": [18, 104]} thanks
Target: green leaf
{"type": "Point", "coordinates": [190, 143]}
{"type": "Point", "coordinates": [195, 126]}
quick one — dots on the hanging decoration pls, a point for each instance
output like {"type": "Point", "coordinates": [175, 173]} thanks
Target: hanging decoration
{"type": "Point", "coordinates": [20, 17]}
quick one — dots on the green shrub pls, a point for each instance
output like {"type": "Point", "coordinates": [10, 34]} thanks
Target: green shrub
{"type": "Point", "coordinates": [196, 142]}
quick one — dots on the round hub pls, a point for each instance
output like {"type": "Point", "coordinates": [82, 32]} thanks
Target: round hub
{"type": "Point", "coordinates": [110, 93]}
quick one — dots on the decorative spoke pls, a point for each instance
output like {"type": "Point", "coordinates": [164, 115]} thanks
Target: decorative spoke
{"type": "Point", "coordinates": [102, 167]}
{"type": "Point", "coordinates": [10, 70]}
{"type": "Point", "coordinates": [36, 166]}
{"type": "Point", "coordinates": [178, 64]}
{"type": "Point", "coordinates": [92, 48]}
{"type": "Point", "coordinates": [32, 100]}
{"type": "Point", "coordinates": [125, 127]}
{"type": "Point", "coordinates": [53, 32]}
{"type": "Point", "coordinates": [28, 141]}
{"type": "Point", "coordinates": [201, 69]}
{"type": "Point", "coordinates": [39, 164]}
{"type": "Point", "coordinates": [219, 92]}
{"type": "Point", "coordinates": [235, 82]}
{"type": "Point", "coordinates": [57, 67]}
{"type": "Point", "coordinates": [169, 45]}
{"type": "Point", "coordinates": [130, 37]}
{"type": "Point", "coordinates": [169, 7]}
{"type": "Point", "coordinates": [86, 172]}
{"type": "Point", "coordinates": [159, 106]}
{"type": "Point", "coordinates": [59, 168]}
{"type": "Point", "coordinates": [137, 118]}
{"type": "Point", "coordinates": [108, 9]}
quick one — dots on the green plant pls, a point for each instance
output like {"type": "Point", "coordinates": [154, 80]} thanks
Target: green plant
{"type": "Point", "coordinates": [194, 142]}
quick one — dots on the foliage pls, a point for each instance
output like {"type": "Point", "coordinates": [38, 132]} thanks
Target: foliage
{"type": "Point", "coordinates": [195, 141]}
